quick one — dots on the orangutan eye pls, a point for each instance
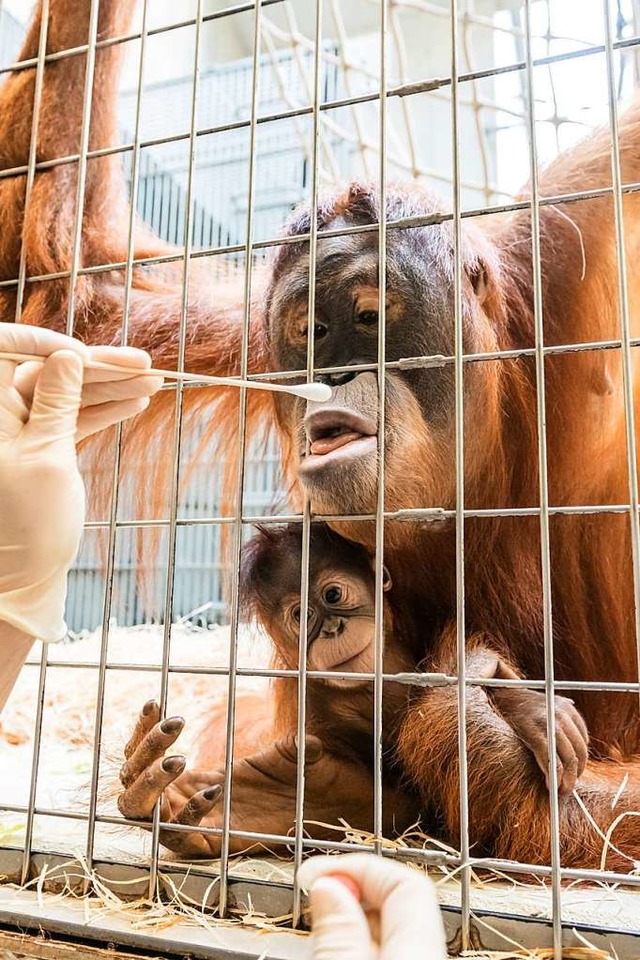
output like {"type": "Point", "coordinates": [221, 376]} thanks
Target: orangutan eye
{"type": "Point", "coordinates": [295, 613]}
{"type": "Point", "coordinates": [333, 594]}
{"type": "Point", "coordinates": [368, 318]}
{"type": "Point", "coordinates": [320, 330]}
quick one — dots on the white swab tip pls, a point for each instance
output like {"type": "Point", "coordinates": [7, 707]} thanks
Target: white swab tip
{"type": "Point", "coordinates": [318, 392]}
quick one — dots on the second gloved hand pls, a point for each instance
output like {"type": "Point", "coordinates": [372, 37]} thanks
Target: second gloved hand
{"type": "Point", "coordinates": [395, 918]}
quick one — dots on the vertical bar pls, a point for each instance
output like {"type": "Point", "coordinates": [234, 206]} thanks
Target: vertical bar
{"type": "Point", "coordinates": [378, 689]}
{"type": "Point", "coordinates": [113, 512]}
{"type": "Point", "coordinates": [82, 162]}
{"type": "Point", "coordinates": [465, 873]}
{"type": "Point", "coordinates": [35, 761]}
{"type": "Point", "coordinates": [306, 517]}
{"type": "Point", "coordinates": [547, 610]}
{"type": "Point", "coordinates": [33, 149]}
{"type": "Point", "coordinates": [82, 167]}
{"type": "Point", "coordinates": [242, 431]}
{"type": "Point", "coordinates": [177, 438]}
{"type": "Point", "coordinates": [625, 325]}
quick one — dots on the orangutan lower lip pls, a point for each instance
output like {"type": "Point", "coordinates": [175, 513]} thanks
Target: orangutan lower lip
{"type": "Point", "coordinates": [331, 429]}
{"type": "Point", "coordinates": [355, 448]}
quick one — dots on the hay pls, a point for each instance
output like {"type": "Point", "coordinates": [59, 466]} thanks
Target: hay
{"type": "Point", "coordinates": [180, 909]}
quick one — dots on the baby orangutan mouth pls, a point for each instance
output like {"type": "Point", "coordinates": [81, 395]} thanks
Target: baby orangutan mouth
{"type": "Point", "coordinates": [336, 435]}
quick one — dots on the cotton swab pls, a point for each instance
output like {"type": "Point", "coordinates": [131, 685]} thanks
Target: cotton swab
{"type": "Point", "coordinates": [318, 392]}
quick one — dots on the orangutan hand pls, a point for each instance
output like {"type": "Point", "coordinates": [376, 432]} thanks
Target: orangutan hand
{"type": "Point", "coordinates": [526, 713]}
{"type": "Point", "coordinates": [263, 790]}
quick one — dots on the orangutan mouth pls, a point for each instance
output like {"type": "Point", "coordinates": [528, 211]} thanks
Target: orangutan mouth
{"type": "Point", "coordinates": [338, 434]}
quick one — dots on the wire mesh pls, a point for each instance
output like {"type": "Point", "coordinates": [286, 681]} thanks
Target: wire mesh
{"type": "Point", "coordinates": [216, 154]}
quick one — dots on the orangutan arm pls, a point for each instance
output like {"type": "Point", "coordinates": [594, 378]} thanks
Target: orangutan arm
{"type": "Point", "coordinates": [263, 791]}
{"type": "Point", "coordinates": [509, 813]}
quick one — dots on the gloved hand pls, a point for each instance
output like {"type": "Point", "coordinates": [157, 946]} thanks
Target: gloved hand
{"type": "Point", "coordinates": [41, 492]}
{"type": "Point", "coordinates": [395, 918]}
{"type": "Point", "coordinates": [107, 397]}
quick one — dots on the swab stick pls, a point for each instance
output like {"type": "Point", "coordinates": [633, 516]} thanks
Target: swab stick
{"type": "Point", "coordinates": [318, 392]}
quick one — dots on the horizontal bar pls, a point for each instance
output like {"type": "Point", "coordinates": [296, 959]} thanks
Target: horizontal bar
{"type": "Point", "coordinates": [416, 854]}
{"type": "Point", "coordinates": [409, 679]}
{"type": "Point", "coordinates": [404, 223]}
{"type": "Point", "coordinates": [424, 514]}
{"type": "Point", "coordinates": [65, 54]}
{"type": "Point", "coordinates": [426, 85]}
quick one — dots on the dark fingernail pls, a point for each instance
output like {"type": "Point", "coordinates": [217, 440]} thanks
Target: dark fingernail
{"type": "Point", "coordinates": [172, 725]}
{"type": "Point", "coordinates": [148, 707]}
{"type": "Point", "coordinates": [212, 793]}
{"type": "Point", "coordinates": [173, 764]}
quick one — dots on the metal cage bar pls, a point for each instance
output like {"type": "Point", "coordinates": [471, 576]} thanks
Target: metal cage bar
{"type": "Point", "coordinates": [378, 685]}
{"type": "Point", "coordinates": [625, 323]}
{"type": "Point", "coordinates": [240, 465]}
{"type": "Point", "coordinates": [545, 552]}
{"type": "Point", "coordinates": [178, 424]}
{"type": "Point", "coordinates": [461, 647]}
{"type": "Point", "coordinates": [303, 640]}
{"type": "Point", "coordinates": [117, 447]}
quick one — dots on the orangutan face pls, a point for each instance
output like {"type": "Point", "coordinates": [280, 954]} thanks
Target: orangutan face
{"type": "Point", "coordinates": [337, 442]}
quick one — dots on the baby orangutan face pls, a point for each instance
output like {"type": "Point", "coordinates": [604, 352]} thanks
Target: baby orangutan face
{"type": "Point", "coordinates": [341, 603]}
{"type": "Point", "coordinates": [340, 622]}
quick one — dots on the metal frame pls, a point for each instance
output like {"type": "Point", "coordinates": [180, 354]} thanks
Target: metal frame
{"type": "Point", "coordinates": [465, 862]}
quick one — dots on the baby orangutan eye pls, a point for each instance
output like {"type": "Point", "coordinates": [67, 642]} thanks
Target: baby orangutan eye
{"type": "Point", "coordinates": [368, 318]}
{"type": "Point", "coordinates": [296, 613]}
{"type": "Point", "coordinates": [333, 594]}
{"type": "Point", "coordinates": [320, 330]}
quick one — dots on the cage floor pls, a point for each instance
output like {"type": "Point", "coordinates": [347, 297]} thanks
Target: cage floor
{"type": "Point", "coordinates": [66, 761]}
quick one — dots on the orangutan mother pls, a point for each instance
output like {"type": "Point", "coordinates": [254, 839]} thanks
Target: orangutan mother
{"type": "Point", "coordinates": [590, 554]}
{"type": "Point", "coordinates": [591, 558]}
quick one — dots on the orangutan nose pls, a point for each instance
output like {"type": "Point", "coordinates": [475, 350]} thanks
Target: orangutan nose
{"type": "Point", "coordinates": [332, 627]}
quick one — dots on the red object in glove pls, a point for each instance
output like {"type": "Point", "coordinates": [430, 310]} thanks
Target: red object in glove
{"type": "Point", "coordinates": [349, 883]}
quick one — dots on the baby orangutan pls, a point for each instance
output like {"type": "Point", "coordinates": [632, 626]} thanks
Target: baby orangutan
{"type": "Point", "coordinates": [341, 639]}
{"type": "Point", "coordinates": [340, 630]}
{"type": "Point", "coordinates": [340, 710]}
{"type": "Point", "coordinates": [339, 730]}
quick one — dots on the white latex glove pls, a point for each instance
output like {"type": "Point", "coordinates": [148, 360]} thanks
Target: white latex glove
{"type": "Point", "coordinates": [397, 917]}
{"type": "Point", "coordinates": [107, 397]}
{"type": "Point", "coordinates": [44, 410]}
{"type": "Point", "coordinates": [41, 495]}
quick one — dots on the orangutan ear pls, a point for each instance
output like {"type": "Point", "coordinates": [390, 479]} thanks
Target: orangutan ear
{"type": "Point", "coordinates": [485, 283]}
{"type": "Point", "coordinates": [387, 582]}
{"type": "Point", "coordinates": [480, 280]}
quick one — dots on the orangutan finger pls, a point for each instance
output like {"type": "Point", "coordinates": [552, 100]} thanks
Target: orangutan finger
{"type": "Point", "coordinates": [153, 745]}
{"type": "Point", "coordinates": [578, 743]}
{"type": "Point", "coordinates": [190, 846]}
{"type": "Point", "coordinates": [567, 762]}
{"type": "Point", "coordinates": [540, 748]}
{"type": "Point", "coordinates": [199, 806]}
{"type": "Point", "coordinates": [147, 718]}
{"type": "Point", "coordinates": [576, 717]}
{"type": "Point", "coordinates": [139, 799]}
